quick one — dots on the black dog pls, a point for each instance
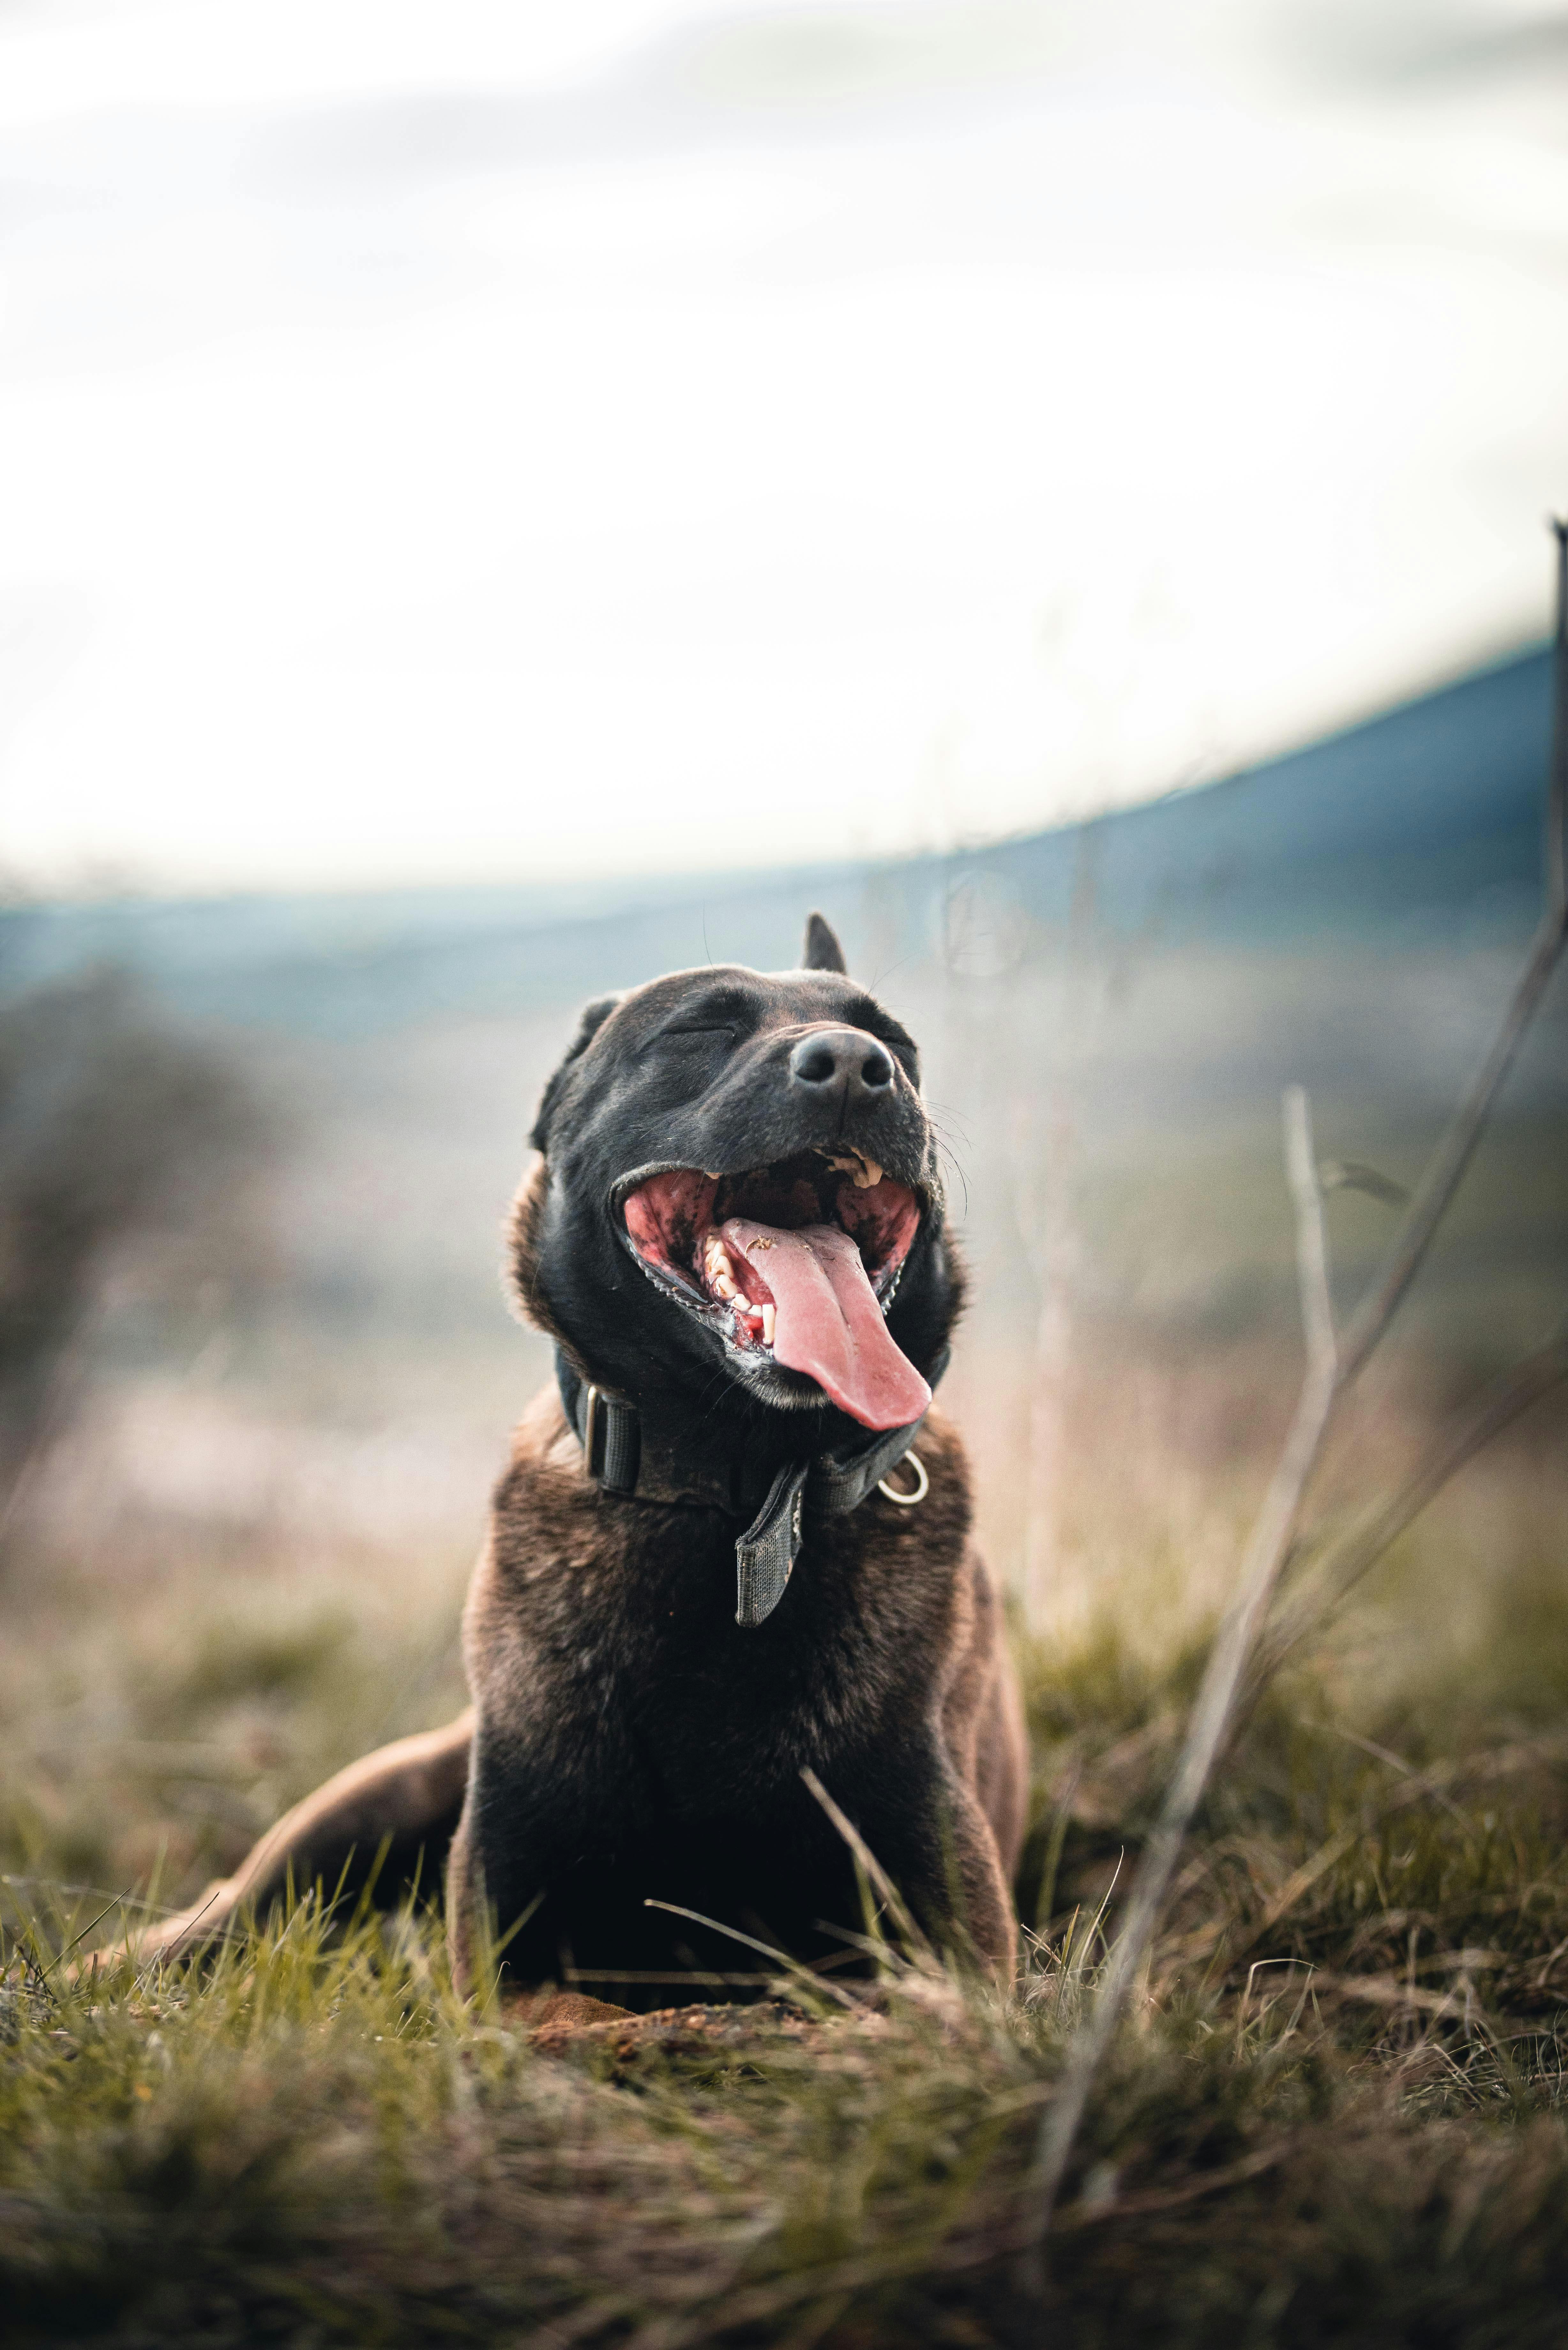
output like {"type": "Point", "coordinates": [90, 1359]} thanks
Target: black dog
{"type": "Point", "coordinates": [734, 1543]}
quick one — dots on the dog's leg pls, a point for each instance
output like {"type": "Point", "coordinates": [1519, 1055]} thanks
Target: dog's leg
{"type": "Point", "coordinates": [986, 1910]}
{"type": "Point", "coordinates": [1002, 1762]}
{"type": "Point", "coordinates": [475, 1864]}
{"type": "Point", "coordinates": [463, 1895]}
{"type": "Point", "coordinates": [982, 1721]}
{"type": "Point", "coordinates": [940, 1851]}
{"type": "Point", "coordinates": [409, 1791]}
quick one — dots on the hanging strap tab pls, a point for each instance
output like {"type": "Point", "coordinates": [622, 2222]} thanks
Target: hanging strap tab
{"type": "Point", "coordinates": [766, 1553]}
{"type": "Point", "coordinates": [609, 1429]}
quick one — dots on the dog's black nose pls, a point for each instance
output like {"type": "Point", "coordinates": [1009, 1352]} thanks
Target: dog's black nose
{"type": "Point", "coordinates": [834, 1062]}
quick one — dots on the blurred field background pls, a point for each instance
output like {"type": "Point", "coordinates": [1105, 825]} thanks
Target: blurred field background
{"type": "Point", "coordinates": [500, 504]}
{"type": "Point", "coordinates": [258, 1427]}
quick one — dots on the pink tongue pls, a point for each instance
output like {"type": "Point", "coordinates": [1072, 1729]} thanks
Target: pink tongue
{"type": "Point", "coordinates": [828, 1322]}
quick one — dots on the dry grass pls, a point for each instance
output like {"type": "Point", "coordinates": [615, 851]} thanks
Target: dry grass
{"type": "Point", "coordinates": [1336, 2112]}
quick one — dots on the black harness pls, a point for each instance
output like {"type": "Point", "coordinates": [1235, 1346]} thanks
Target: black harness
{"type": "Point", "coordinates": [640, 1454]}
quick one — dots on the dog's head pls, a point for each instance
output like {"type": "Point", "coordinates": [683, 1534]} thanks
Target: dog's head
{"type": "Point", "coordinates": [739, 1177]}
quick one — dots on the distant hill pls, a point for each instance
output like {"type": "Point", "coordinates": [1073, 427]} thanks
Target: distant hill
{"type": "Point", "coordinates": [1433, 810]}
{"type": "Point", "coordinates": [1418, 827]}
{"type": "Point", "coordinates": [1108, 1013]}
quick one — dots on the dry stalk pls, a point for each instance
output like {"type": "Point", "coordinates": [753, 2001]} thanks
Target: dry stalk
{"type": "Point", "coordinates": [1332, 1367]}
{"type": "Point", "coordinates": [1338, 1570]}
{"type": "Point", "coordinates": [1267, 1549]}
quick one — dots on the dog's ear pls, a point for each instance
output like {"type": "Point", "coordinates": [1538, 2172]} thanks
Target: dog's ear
{"type": "Point", "coordinates": [594, 1015]}
{"type": "Point", "coordinates": [822, 950]}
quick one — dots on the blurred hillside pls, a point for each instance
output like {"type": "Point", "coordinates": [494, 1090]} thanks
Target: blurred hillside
{"type": "Point", "coordinates": [1108, 1014]}
{"type": "Point", "coordinates": [1423, 824]}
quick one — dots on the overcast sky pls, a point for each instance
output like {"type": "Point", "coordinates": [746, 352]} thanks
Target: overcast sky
{"type": "Point", "coordinates": [498, 440]}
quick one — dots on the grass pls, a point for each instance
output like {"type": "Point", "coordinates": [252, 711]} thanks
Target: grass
{"type": "Point", "coordinates": [1346, 2125]}
{"type": "Point", "coordinates": [1339, 2111]}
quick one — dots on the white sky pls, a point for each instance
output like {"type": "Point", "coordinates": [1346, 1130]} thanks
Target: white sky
{"type": "Point", "coordinates": [498, 440]}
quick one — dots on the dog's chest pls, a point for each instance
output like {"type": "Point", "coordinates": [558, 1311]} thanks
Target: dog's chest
{"type": "Point", "coordinates": [629, 1640]}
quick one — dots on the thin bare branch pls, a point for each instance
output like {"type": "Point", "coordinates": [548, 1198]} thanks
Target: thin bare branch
{"type": "Point", "coordinates": [1446, 1169]}
{"type": "Point", "coordinates": [1355, 1175]}
{"type": "Point", "coordinates": [1330, 1370]}
{"type": "Point", "coordinates": [1312, 1245]}
{"type": "Point", "coordinates": [1266, 1555]}
{"type": "Point", "coordinates": [1337, 1572]}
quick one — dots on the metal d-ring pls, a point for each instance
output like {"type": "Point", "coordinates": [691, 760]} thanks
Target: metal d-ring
{"type": "Point", "coordinates": [922, 1484]}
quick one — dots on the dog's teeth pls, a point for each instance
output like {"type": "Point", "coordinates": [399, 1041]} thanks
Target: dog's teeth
{"type": "Point", "coordinates": [717, 1266]}
{"type": "Point", "coordinates": [863, 1172]}
{"type": "Point", "coordinates": [767, 1325]}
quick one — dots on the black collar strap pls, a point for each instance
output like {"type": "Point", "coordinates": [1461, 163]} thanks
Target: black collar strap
{"type": "Point", "coordinates": [634, 1453]}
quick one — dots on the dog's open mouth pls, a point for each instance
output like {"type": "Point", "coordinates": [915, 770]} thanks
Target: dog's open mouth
{"type": "Point", "coordinates": [794, 1264]}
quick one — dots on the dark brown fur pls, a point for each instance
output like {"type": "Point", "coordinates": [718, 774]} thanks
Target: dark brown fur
{"type": "Point", "coordinates": [894, 1689]}
{"type": "Point", "coordinates": [631, 1743]}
